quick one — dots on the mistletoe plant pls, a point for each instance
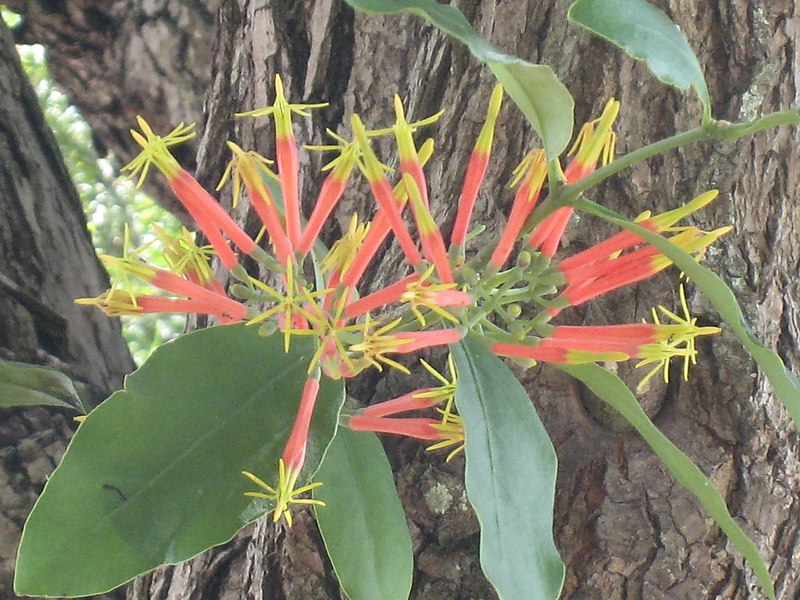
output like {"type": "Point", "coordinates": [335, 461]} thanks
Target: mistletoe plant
{"type": "Point", "coordinates": [247, 418]}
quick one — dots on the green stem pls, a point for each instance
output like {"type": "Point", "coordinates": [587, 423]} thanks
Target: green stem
{"type": "Point", "coordinates": [488, 307]}
{"type": "Point", "coordinates": [494, 329]}
{"type": "Point", "coordinates": [712, 131]}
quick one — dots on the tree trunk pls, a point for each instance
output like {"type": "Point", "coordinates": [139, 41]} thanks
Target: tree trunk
{"type": "Point", "coordinates": [46, 261]}
{"type": "Point", "coordinates": [624, 528]}
{"type": "Point", "coordinates": [125, 58]}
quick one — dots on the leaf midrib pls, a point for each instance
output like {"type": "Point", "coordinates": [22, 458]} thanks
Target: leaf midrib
{"type": "Point", "coordinates": [254, 396]}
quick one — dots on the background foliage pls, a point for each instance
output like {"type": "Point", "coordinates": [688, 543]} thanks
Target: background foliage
{"type": "Point", "coordinates": [109, 201]}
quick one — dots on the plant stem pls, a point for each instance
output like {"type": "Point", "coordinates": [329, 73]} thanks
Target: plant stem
{"type": "Point", "coordinates": [713, 131]}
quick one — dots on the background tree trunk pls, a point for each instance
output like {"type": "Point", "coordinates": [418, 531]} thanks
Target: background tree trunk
{"type": "Point", "coordinates": [625, 529]}
{"type": "Point", "coordinates": [46, 261]}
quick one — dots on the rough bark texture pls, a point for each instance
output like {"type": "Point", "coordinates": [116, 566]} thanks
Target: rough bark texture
{"type": "Point", "coordinates": [625, 529]}
{"type": "Point", "coordinates": [46, 261]}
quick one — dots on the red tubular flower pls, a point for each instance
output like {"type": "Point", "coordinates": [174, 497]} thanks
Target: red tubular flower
{"type": "Point", "coordinates": [417, 340]}
{"type": "Point", "coordinates": [156, 304]}
{"type": "Point", "coordinates": [380, 227]}
{"type": "Point", "coordinates": [383, 297]}
{"type": "Point", "coordinates": [627, 239]}
{"type": "Point", "coordinates": [174, 284]}
{"type": "Point", "coordinates": [587, 281]}
{"type": "Point", "coordinates": [420, 428]}
{"type": "Point", "coordinates": [406, 403]}
{"type": "Point", "coordinates": [476, 169]}
{"type": "Point", "coordinates": [248, 167]}
{"type": "Point", "coordinates": [410, 163]}
{"type": "Point", "coordinates": [382, 190]}
{"type": "Point", "coordinates": [289, 172]}
{"type": "Point", "coordinates": [592, 145]}
{"type": "Point", "coordinates": [415, 290]}
{"type": "Point", "coordinates": [294, 453]}
{"type": "Point", "coordinates": [116, 303]}
{"type": "Point", "coordinates": [286, 153]}
{"type": "Point", "coordinates": [600, 339]}
{"type": "Point", "coordinates": [605, 249]}
{"type": "Point", "coordinates": [583, 273]}
{"type": "Point", "coordinates": [205, 210]}
{"type": "Point", "coordinates": [638, 340]}
{"type": "Point", "coordinates": [331, 190]}
{"type": "Point", "coordinates": [429, 235]}
{"type": "Point", "coordinates": [559, 355]}
{"type": "Point", "coordinates": [636, 333]}
{"type": "Point", "coordinates": [532, 170]}
{"type": "Point", "coordinates": [177, 285]}
{"type": "Point", "coordinates": [291, 462]}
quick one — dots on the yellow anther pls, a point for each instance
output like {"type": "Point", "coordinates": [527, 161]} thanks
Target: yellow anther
{"type": "Point", "coordinates": [247, 167]}
{"type": "Point", "coordinates": [155, 150]}
{"type": "Point", "coordinates": [281, 110]}
{"type": "Point", "coordinates": [375, 343]}
{"type": "Point", "coordinates": [285, 494]}
{"type": "Point", "coordinates": [344, 250]}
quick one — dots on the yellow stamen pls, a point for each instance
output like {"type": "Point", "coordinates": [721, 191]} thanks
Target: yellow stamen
{"type": "Point", "coordinates": [184, 256]}
{"type": "Point", "coordinates": [285, 494]}
{"type": "Point", "coordinates": [155, 150]}
{"type": "Point", "coordinates": [344, 250]}
{"type": "Point", "coordinates": [596, 140]}
{"type": "Point", "coordinates": [680, 341]}
{"type": "Point", "coordinates": [349, 153]}
{"type": "Point", "coordinates": [247, 167]}
{"type": "Point", "coordinates": [281, 110]}
{"type": "Point", "coordinates": [420, 293]}
{"type": "Point", "coordinates": [114, 303]}
{"type": "Point", "coordinates": [447, 391]}
{"type": "Point", "coordinates": [533, 167]}
{"type": "Point", "coordinates": [451, 429]}
{"type": "Point", "coordinates": [290, 304]}
{"type": "Point", "coordinates": [375, 344]}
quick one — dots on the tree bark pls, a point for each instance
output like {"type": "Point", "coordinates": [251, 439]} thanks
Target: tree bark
{"type": "Point", "coordinates": [46, 261]}
{"type": "Point", "coordinates": [624, 528]}
{"type": "Point", "coordinates": [125, 58]}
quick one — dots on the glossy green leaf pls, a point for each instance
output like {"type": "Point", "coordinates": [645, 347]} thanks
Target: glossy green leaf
{"type": "Point", "coordinates": [362, 523]}
{"type": "Point", "coordinates": [612, 390]}
{"type": "Point", "coordinates": [29, 385]}
{"type": "Point", "coordinates": [645, 33]}
{"type": "Point", "coordinates": [152, 476]}
{"type": "Point", "coordinates": [510, 476]}
{"type": "Point", "coordinates": [783, 381]}
{"type": "Point", "coordinates": [543, 99]}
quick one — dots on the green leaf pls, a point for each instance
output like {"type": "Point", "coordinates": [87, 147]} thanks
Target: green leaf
{"type": "Point", "coordinates": [30, 385]}
{"type": "Point", "coordinates": [543, 99]}
{"type": "Point", "coordinates": [153, 477]}
{"type": "Point", "coordinates": [510, 476]}
{"type": "Point", "coordinates": [783, 381]}
{"type": "Point", "coordinates": [362, 523]}
{"type": "Point", "coordinates": [645, 33]}
{"type": "Point", "coordinates": [612, 390]}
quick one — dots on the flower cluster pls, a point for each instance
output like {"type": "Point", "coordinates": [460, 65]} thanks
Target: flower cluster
{"type": "Point", "coordinates": [444, 296]}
